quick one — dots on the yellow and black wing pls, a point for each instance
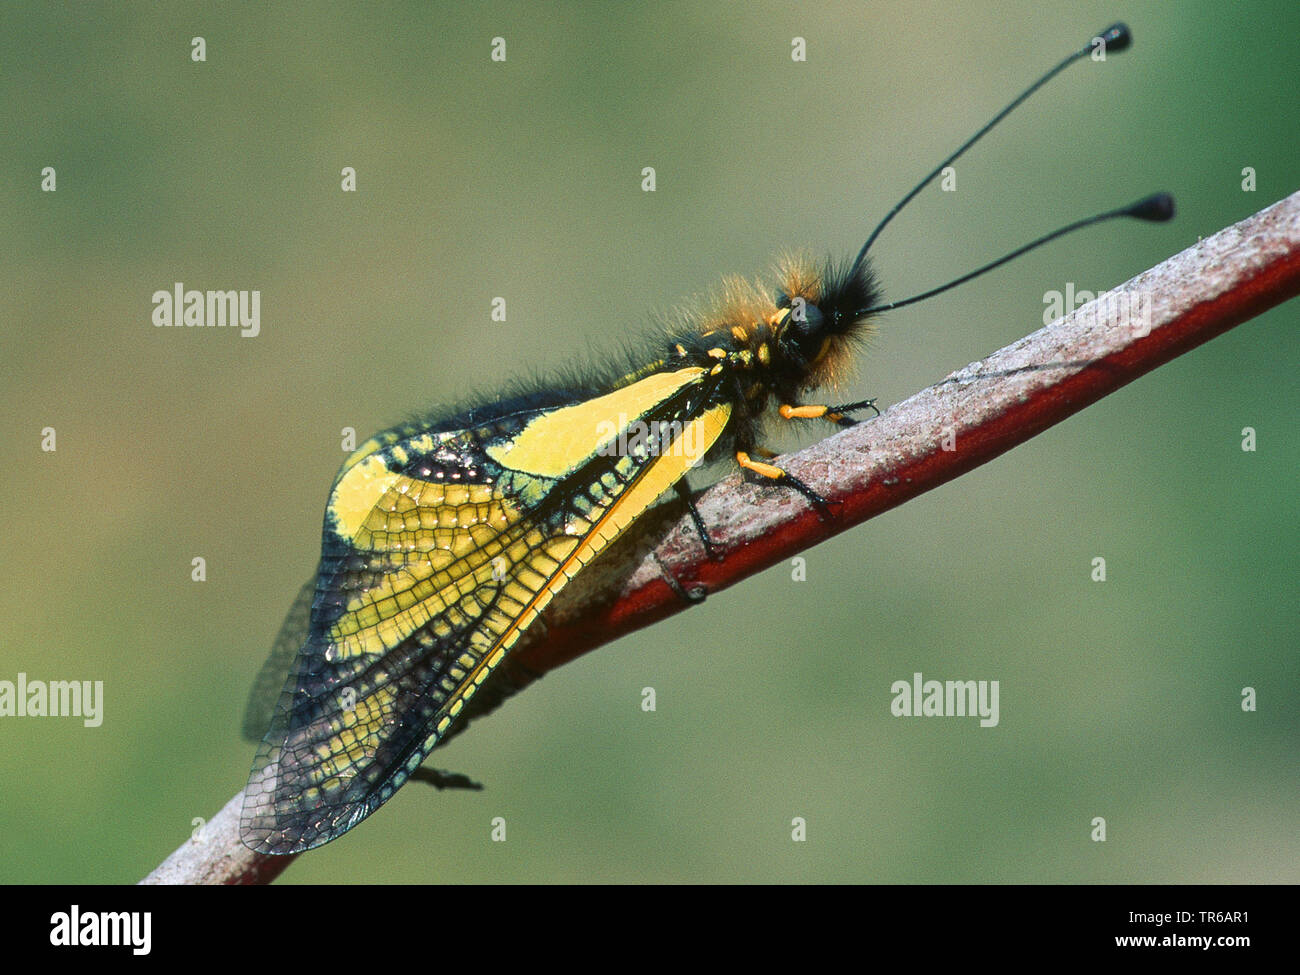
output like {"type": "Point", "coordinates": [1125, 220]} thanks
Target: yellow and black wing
{"type": "Point", "coordinates": [440, 548]}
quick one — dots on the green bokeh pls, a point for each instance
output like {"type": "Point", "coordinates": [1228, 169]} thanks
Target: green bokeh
{"type": "Point", "coordinates": [522, 179]}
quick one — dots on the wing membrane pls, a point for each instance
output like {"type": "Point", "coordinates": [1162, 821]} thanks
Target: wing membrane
{"type": "Point", "coordinates": [437, 555]}
{"type": "Point", "coordinates": [260, 710]}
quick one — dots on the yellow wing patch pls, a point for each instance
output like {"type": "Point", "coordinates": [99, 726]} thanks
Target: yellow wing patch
{"type": "Point", "coordinates": [441, 549]}
{"type": "Point", "coordinates": [354, 494]}
{"type": "Point", "coordinates": [559, 441]}
{"type": "Point", "coordinates": [661, 474]}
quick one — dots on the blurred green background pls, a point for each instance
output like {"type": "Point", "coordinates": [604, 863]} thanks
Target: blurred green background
{"type": "Point", "coordinates": [522, 179]}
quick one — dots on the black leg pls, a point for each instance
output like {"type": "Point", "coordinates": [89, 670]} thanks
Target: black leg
{"type": "Point", "coordinates": [779, 475]}
{"type": "Point", "coordinates": [839, 414]}
{"type": "Point", "coordinates": [684, 492]}
{"type": "Point", "coordinates": [445, 780]}
{"type": "Point", "coordinates": [696, 594]}
{"type": "Point", "coordinates": [820, 504]}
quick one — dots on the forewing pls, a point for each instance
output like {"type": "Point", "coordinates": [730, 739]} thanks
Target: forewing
{"type": "Point", "coordinates": [439, 551]}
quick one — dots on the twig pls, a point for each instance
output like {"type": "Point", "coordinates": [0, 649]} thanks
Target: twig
{"type": "Point", "coordinates": [963, 421]}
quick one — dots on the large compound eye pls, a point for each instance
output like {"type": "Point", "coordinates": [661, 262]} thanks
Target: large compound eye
{"type": "Point", "coordinates": [805, 318]}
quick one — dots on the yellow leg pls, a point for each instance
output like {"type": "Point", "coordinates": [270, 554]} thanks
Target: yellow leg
{"type": "Point", "coordinates": [758, 467]}
{"type": "Point", "coordinates": [774, 473]}
{"type": "Point", "coordinates": [803, 412]}
{"type": "Point", "coordinates": [836, 414]}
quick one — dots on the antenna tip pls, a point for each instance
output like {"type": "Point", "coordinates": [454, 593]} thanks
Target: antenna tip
{"type": "Point", "coordinates": [1156, 208]}
{"type": "Point", "coordinates": [1117, 37]}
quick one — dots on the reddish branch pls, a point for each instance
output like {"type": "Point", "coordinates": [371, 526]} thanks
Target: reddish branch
{"type": "Point", "coordinates": [957, 424]}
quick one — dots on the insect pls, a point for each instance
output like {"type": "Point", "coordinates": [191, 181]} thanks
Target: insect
{"type": "Point", "coordinates": [445, 539]}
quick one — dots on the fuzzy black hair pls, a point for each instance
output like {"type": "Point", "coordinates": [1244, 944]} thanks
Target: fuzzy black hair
{"type": "Point", "coordinates": [849, 290]}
